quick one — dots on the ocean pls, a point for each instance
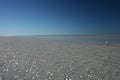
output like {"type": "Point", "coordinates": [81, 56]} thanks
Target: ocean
{"type": "Point", "coordinates": [115, 39]}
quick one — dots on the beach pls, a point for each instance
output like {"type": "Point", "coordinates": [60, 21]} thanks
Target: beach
{"type": "Point", "coordinates": [43, 59]}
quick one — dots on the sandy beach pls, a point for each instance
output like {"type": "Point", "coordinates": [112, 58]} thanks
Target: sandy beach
{"type": "Point", "coordinates": [42, 59]}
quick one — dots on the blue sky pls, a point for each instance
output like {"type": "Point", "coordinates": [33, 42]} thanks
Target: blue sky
{"type": "Point", "coordinates": [46, 17]}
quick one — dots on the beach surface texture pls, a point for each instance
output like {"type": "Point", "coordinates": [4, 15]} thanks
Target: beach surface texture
{"type": "Point", "coordinates": [42, 59]}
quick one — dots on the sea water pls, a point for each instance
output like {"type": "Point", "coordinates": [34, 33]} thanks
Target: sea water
{"type": "Point", "coordinates": [82, 38]}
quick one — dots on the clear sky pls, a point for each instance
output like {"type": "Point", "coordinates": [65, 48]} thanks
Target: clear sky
{"type": "Point", "coordinates": [44, 17]}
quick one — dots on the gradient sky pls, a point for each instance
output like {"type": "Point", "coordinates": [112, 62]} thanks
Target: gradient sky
{"type": "Point", "coordinates": [44, 17]}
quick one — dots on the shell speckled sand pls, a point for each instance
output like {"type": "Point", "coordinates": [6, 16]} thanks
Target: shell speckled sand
{"type": "Point", "coordinates": [39, 59]}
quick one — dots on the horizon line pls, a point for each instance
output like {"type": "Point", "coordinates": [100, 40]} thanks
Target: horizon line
{"type": "Point", "coordinates": [63, 35]}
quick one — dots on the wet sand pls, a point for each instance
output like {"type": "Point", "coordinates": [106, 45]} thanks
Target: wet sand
{"type": "Point", "coordinates": [42, 59]}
